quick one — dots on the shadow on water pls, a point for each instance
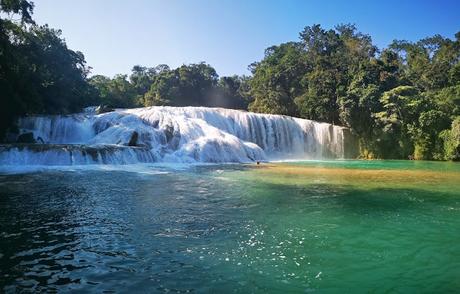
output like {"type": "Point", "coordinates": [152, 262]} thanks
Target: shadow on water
{"type": "Point", "coordinates": [349, 197]}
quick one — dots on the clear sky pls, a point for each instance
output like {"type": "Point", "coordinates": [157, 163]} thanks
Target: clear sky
{"type": "Point", "coordinates": [114, 35]}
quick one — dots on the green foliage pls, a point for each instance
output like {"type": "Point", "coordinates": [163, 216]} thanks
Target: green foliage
{"type": "Point", "coordinates": [116, 92]}
{"type": "Point", "coordinates": [402, 101]}
{"type": "Point", "coordinates": [233, 92]}
{"type": "Point", "coordinates": [277, 79]}
{"type": "Point", "coordinates": [196, 85]}
{"type": "Point", "coordinates": [188, 85]}
{"type": "Point", "coordinates": [397, 102]}
{"type": "Point", "coordinates": [451, 140]}
{"type": "Point", "coordinates": [38, 73]}
{"type": "Point", "coordinates": [22, 7]}
{"type": "Point", "coordinates": [448, 99]}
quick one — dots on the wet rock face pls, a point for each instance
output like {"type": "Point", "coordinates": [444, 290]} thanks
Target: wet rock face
{"type": "Point", "coordinates": [134, 138]}
{"type": "Point", "coordinates": [350, 143]}
{"type": "Point", "coordinates": [27, 138]}
{"type": "Point", "coordinates": [169, 133]}
{"type": "Point", "coordinates": [103, 109]}
{"type": "Point", "coordinates": [172, 136]}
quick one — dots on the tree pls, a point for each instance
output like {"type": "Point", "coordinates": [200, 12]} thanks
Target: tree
{"type": "Point", "coordinates": [141, 78]}
{"type": "Point", "coordinates": [425, 134]}
{"type": "Point", "coordinates": [401, 101]}
{"type": "Point", "coordinates": [277, 80]}
{"type": "Point", "coordinates": [232, 92]}
{"type": "Point", "coordinates": [38, 73]}
{"type": "Point", "coordinates": [451, 140]}
{"type": "Point", "coordinates": [396, 101]}
{"type": "Point", "coordinates": [22, 7]}
{"type": "Point", "coordinates": [188, 85]}
{"type": "Point", "coordinates": [116, 92]}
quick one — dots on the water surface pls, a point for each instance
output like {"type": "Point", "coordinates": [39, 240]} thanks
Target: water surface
{"type": "Point", "coordinates": [364, 226]}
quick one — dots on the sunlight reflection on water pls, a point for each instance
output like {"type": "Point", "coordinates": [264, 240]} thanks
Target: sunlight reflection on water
{"type": "Point", "coordinates": [269, 228]}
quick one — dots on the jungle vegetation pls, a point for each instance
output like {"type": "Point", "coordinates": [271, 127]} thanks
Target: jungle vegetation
{"type": "Point", "coordinates": [401, 101]}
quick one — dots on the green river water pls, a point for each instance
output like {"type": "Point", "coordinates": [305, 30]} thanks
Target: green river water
{"type": "Point", "coordinates": [316, 226]}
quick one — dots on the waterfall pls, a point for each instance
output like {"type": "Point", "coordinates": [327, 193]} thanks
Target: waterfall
{"type": "Point", "coordinates": [172, 134]}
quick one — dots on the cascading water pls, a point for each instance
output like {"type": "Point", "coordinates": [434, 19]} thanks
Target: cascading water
{"type": "Point", "coordinates": [173, 134]}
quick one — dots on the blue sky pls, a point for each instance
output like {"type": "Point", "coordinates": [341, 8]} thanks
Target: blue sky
{"type": "Point", "coordinates": [114, 35]}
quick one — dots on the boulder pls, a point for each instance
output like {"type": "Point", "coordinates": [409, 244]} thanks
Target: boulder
{"type": "Point", "coordinates": [169, 133]}
{"type": "Point", "coordinates": [133, 139]}
{"type": "Point", "coordinates": [27, 138]}
{"type": "Point", "coordinates": [103, 109]}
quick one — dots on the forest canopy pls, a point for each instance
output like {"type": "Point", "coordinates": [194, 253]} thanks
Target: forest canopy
{"type": "Point", "coordinates": [401, 101]}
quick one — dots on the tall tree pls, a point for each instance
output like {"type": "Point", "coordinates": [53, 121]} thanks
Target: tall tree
{"type": "Point", "coordinates": [277, 79]}
{"type": "Point", "coordinates": [38, 73]}
{"type": "Point", "coordinates": [188, 85]}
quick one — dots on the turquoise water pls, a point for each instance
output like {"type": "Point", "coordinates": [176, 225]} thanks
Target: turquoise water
{"type": "Point", "coordinates": [334, 227]}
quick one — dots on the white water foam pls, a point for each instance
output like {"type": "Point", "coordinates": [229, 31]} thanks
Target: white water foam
{"type": "Point", "coordinates": [172, 134]}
